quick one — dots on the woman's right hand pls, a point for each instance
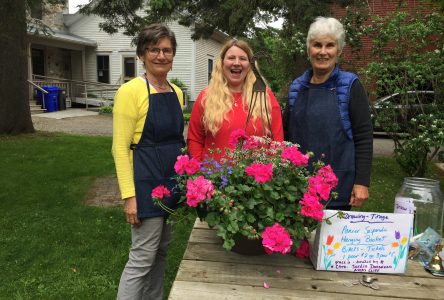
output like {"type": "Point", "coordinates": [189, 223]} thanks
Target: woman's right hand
{"type": "Point", "coordinates": [130, 209]}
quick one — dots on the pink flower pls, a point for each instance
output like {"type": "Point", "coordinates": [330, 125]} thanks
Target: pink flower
{"type": "Point", "coordinates": [276, 239]}
{"type": "Point", "coordinates": [311, 207]}
{"type": "Point", "coordinates": [329, 176]}
{"type": "Point", "coordinates": [198, 190]}
{"type": "Point", "coordinates": [159, 192]}
{"type": "Point", "coordinates": [235, 136]}
{"type": "Point", "coordinates": [185, 164]}
{"type": "Point", "coordinates": [261, 173]}
{"type": "Point", "coordinates": [303, 251]}
{"type": "Point", "coordinates": [192, 166]}
{"type": "Point", "coordinates": [181, 163]}
{"type": "Point", "coordinates": [318, 185]}
{"type": "Point", "coordinates": [295, 156]}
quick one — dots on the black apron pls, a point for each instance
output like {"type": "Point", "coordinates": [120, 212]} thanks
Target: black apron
{"type": "Point", "coordinates": [155, 154]}
{"type": "Point", "coordinates": [315, 124]}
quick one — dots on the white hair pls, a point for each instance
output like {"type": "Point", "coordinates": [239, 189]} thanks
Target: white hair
{"type": "Point", "coordinates": [323, 26]}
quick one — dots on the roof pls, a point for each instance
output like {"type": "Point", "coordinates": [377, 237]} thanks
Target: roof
{"type": "Point", "coordinates": [65, 37]}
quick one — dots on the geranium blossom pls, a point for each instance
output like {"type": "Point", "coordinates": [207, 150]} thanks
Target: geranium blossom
{"type": "Point", "coordinates": [303, 251]}
{"type": "Point", "coordinates": [276, 239]}
{"type": "Point", "coordinates": [261, 173]}
{"type": "Point", "coordinates": [329, 176]}
{"type": "Point", "coordinates": [185, 164]}
{"type": "Point", "coordinates": [311, 207]}
{"type": "Point", "coordinates": [295, 156]}
{"type": "Point", "coordinates": [317, 185]}
{"type": "Point", "coordinates": [198, 190]}
{"type": "Point", "coordinates": [181, 163]}
{"type": "Point", "coordinates": [236, 136]}
{"type": "Point", "coordinates": [159, 192]}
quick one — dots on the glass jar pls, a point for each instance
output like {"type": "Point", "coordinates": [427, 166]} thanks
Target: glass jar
{"type": "Point", "coordinates": [423, 198]}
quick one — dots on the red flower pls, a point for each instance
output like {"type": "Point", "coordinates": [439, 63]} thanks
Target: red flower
{"type": "Point", "coordinates": [261, 173]}
{"type": "Point", "coordinates": [198, 190]}
{"type": "Point", "coordinates": [159, 192]}
{"type": "Point", "coordinates": [311, 207]}
{"type": "Point", "coordinates": [276, 239]}
{"type": "Point", "coordinates": [303, 251]}
{"type": "Point", "coordinates": [295, 156]}
{"type": "Point", "coordinates": [235, 136]}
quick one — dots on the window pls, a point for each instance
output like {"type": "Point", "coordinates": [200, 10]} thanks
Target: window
{"type": "Point", "coordinates": [103, 68]}
{"type": "Point", "coordinates": [129, 68]}
{"type": "Point", "coordinates": [38, 61]}
{"type": "Point", "coordinates": [210, 68]}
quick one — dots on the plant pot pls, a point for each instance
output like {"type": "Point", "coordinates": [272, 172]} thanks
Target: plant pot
{"type": "Point", "coordinates": [202, 211]}
{"type": "Point", "coordinates": [245, 246]}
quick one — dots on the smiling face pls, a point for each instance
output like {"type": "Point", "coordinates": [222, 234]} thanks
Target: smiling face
{"type": "Point", "coordinates": [323, 52]}
{"type": "Point", "coordinates": [158, 64]}
{"type": "Point", "coordinates": [235, 66]}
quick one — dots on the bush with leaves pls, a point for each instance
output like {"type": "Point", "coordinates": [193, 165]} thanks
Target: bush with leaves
{"type": "Point", "coordinates": [407, 55]}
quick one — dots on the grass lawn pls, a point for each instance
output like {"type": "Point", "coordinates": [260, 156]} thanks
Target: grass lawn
{"type": "Point", "coordinates": [52, 246]}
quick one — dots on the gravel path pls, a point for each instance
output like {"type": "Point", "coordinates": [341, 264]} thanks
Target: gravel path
{"type": "Point", "coordinates": [80, 121]}
{"type": "Point", "coordinates": [104, 191]}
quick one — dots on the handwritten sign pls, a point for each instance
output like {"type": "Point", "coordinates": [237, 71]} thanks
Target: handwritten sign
{"type": "Point", "coordinates": [362, 242]}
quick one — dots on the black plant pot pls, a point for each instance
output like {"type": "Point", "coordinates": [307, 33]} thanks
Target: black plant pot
{"type": "Point", "coordinates": [202, 211]}
{"type": "Point", "coordinates": [245, 246]}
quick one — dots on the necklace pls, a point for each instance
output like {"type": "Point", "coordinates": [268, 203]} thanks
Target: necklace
{"type": "Point", "coordinates": [163, 86]}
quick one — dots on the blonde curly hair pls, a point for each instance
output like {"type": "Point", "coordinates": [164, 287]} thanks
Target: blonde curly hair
{"type": "Point", "coordinates": [218, 99]}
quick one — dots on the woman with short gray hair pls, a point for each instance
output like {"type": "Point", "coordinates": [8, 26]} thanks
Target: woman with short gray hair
{"type": "Point", "coordinates": [328, 113]}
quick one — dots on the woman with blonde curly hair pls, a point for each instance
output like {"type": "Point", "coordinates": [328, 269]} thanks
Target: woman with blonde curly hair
{"type": "Point", "coordinates": [224, 105]}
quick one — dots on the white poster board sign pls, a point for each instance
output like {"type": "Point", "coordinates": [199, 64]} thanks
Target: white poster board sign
{"type": "Point", "coordinates": [362, 242]}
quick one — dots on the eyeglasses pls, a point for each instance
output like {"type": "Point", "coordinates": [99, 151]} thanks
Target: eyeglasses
{"type": "Point", "coordinates": [154, 51]}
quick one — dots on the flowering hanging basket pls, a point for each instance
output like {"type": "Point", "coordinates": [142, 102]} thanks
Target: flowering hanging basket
{"type": "Point", "coordinates": [261, 189]}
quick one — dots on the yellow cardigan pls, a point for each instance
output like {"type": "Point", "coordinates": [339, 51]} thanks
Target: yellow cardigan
{"type": "Point", "coordinates": [129, 114]}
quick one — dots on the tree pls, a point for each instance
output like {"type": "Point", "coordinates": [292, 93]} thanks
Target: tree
{"type": "Point", "coordinates": [236, 18]}
{"type": "Point", "coordinates": [407, 55]}
{"type": "Point", "coordinates": [15, 114]}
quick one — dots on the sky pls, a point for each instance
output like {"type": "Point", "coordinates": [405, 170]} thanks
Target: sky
{"type": "Point", "coordinates": [73, 5]}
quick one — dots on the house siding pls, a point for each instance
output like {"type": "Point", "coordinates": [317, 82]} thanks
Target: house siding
{"type": "Point", "coordinates": [205, 49]}
{"type": "Point", "coordinates": [190, 65]}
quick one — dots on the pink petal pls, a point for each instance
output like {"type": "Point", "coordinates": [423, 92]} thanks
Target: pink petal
{"type": "Point", "coordinates": [266, 285]}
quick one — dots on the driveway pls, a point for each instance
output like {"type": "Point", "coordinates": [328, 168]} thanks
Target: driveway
{"type": "Point", "coordinates": [83, 122]}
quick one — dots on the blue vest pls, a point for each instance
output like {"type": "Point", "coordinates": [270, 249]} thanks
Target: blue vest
{"type": "Point", "coordinates": [340, 80]}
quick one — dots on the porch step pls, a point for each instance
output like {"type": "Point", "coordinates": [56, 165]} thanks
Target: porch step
{"type": "Point", "coordinates": [35, 108]}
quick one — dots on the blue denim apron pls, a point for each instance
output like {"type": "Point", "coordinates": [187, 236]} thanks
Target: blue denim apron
{"type": "Point", "coordinates": [155, 154]}
{"type": "Point", "coordinates": [315, 124]}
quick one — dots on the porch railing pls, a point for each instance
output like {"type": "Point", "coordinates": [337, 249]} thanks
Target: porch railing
{"type": "Point", "coordinates": [81, 90]}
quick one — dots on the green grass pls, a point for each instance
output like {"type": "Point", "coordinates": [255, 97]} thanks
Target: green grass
{"type": "Point", "coordinates": [52, 246]}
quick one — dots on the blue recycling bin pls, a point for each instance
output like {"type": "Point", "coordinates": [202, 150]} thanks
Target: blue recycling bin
{"type": "Point", "coordinates": [51, 99]}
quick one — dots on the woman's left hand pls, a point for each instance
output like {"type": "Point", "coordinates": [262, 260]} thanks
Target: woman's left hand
{"type": "Point", "coordinates": [359, 195]}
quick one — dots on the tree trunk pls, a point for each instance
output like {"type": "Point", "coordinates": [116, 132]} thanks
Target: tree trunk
{"type": "Point", "coordinates": [15, 114]}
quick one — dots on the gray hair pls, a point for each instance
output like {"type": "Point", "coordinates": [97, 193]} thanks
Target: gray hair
{"type": "Point", "coordinates": [324, 26]}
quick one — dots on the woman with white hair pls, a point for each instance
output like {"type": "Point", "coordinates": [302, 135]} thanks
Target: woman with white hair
{"type": "Point", "coordinates": [328, 113]}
